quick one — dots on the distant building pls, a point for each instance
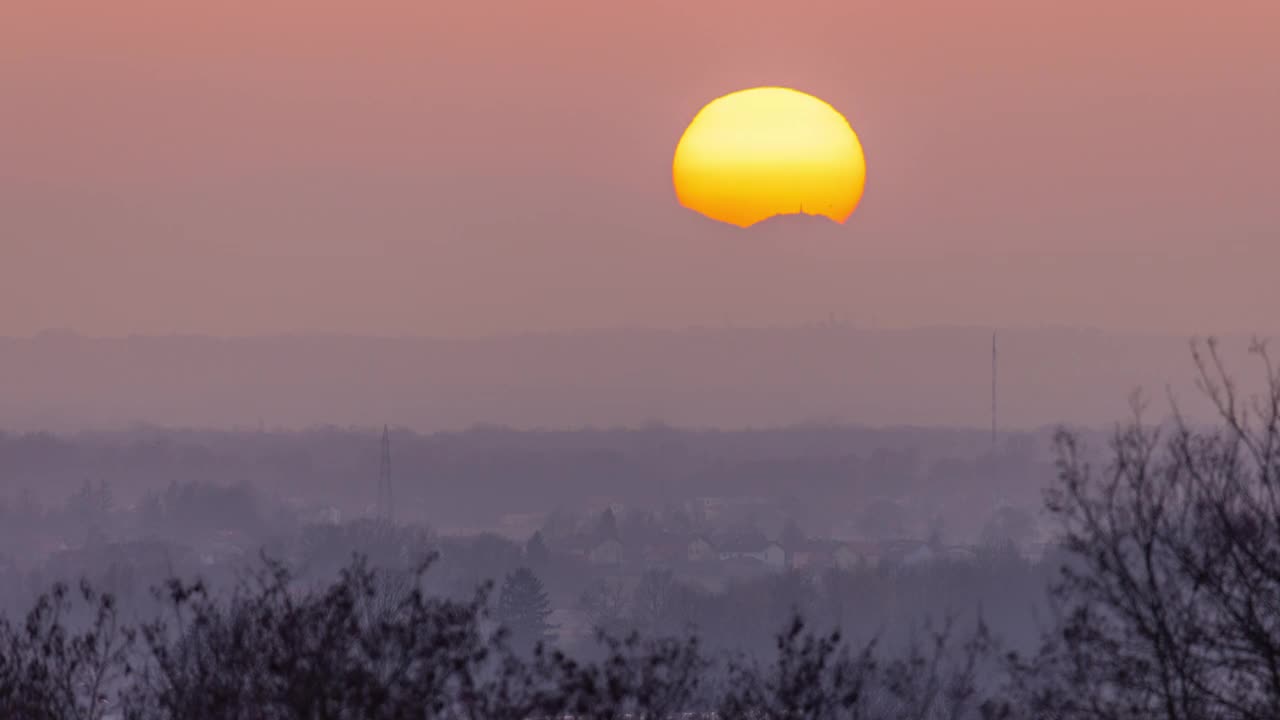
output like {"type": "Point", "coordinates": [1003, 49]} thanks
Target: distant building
{"type": "Point", "coordinates": [662, 552]}
{"type": "Point", "coordinates": [813, 554]}
{"type": "Point", "coordinates": [905, 553]}
{"type": "Point", "coordinates": [606, 552]}
{"type": "Point", "coordinates": [673, 549]}
{"type": "Point", "coordinates": [810, 554]}
{"type": "Point", "coordinates": [774, 556]}
{"type": "Point", "coordinates": [825, 553]}
{"type": "Point", "coordinates": [852, 554]}
{"type": "Point", "coordinates": [919, 556]}
{"type": "Point", "coordinates": [700, 550]}
{"type": "Point", "coordinates": [957, 553]}
{"type": "Point", "coordinates": [771, 554]}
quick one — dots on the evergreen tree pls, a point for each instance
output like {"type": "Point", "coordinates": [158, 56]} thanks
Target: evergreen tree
{"type": "Point", "coordinates": [608, 527]}
{"type": "Point", "coordinates": [523, 609]}
{"type": "Point", "coordinates": [937, 533]}
{"type": "Point", "coordinates": [90, 508]}
{"type": "Point", "coordinates": [792, 537]}
{"type": "Point", "coordinates": [151, 515]}
{"type": "Point", "coordinates": [536, 552]}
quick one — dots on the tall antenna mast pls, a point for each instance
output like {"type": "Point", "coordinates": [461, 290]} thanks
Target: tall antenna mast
{"type": "Point", "coordinates": [993, 392]}
{"type": "Point", "coordinates": [384, 479]}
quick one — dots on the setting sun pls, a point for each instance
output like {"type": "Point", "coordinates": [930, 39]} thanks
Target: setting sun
{"type": "Point", "coordinates": [769, 151]}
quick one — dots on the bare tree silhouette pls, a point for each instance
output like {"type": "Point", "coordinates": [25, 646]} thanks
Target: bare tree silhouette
{"type": "Point", "coordinates": [1170, 599]}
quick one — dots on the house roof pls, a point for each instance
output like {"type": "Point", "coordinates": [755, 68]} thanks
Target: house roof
{"type": "Point", "coordinates": [672, 545]}
{"type": "Point", "coordinates": [864, 548]}
{"type": "Point", "coordinates": [744, 544]}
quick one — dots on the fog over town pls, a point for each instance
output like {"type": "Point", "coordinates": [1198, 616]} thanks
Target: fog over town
{"type": "Point", "coordinates": [919, 558]}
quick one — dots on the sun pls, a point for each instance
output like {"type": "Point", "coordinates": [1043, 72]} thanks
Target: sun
{"type": "Point", "coordinates": [768, 151]}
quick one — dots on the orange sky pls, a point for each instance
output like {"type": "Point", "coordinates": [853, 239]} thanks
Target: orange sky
{"type": "Point", "coordinates": [401, 167]}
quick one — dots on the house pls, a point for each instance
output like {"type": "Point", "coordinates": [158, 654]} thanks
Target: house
{"type": "Point", "coordinates": [825, 553]}
{"type": "Point", "coordinates": [774, 556]}
{"type": "Point", "coordinates": [700, 550]}
{"type": "Point", "coordinates": [802, 557]}
{"type": "Point", "coordinates": [959, 554]}
{"type": "Point", "coordinates": [811, 554]}
{"type": "Point", "coordinates": [849, 555]}
{"type": "Point", "coordinates": [844, 557]}
{"type": "Point", "coordinates": [606, 552]}
{"type": "Point", "coordinates": [672, 549]}
{"type": "Point", "coordinates": [665, 550]}
{"type": "Point", "coordinates": [906, 553]}
{"type": "Point", "coordinates": [771, 554]}
{"type": "Point", "coordinates": [919, 556]}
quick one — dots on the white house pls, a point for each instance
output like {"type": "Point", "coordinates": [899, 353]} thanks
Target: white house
{"type": "Point", "coordinates": [700, 550]}
{"type": "Point", "coordinates": [770, 553]}
{"type": "Point", "coordinates": [774, 555]}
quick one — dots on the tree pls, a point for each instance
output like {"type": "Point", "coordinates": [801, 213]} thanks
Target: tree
{"type": "Point", "coordinates": [640, 526]}
{"type": "Point", "coordinates": [468, 563]}
{"type": "Point", "coordinates": [326, 549]}
{"type": "Point", "coordinates": [207, 507]}
{"type": "Point", "coordinates": [882, 520]}
{"type": "Point", "coordinates": [607, 528]}
{"type": "Point", "coordinates": [821, 676]}
{"type": "Point", "coordinates": [604, 603]}
{"type": "Point", "coordinates": [792, 537]}
{"type": "Point", "coordinates": [52, 671]}
{"type": "Point", "coordinates": [651, 601]}
{"type": "Point", "coordinates": [1008, 526]}
{"type": "Point", "coordinates": [681, 520]}
{"type": "Point", "coordinates": [560, 525]}
{"type": "Point", "coordinates": [536, 552]}
{"type": "Point", "coordinates": [151, 516]}
{"type": "Point", "coordinates": [523, 609]}
{"type": "Point", "coordinates": [937, 533]}
{"type": "Point", "coordinates": [1170, 595]}
{"type": "Point", "coordinates": [273, 650]}
{"type": "Point", "coordinates": [90, 507]}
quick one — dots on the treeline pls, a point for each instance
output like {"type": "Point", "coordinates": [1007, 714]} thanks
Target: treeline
{"type": "Point", "coordinates": [821, 475]}
{"type": "Point", "coordinates": [375, 646]}
{"type": "Point", "coordinates": [733, 614]}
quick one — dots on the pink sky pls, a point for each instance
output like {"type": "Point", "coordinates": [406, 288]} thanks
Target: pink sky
{"type": "Point", "coordinates": [459, 168]}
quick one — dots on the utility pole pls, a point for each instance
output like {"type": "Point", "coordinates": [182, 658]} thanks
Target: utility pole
{"type": "Point", "coordinates": [384, 479]}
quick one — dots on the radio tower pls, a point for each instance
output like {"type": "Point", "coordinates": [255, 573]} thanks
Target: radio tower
{"type": "Point", "coordinates": [384, 479]}
{"type": "Point", "coordinates": [993, 392]}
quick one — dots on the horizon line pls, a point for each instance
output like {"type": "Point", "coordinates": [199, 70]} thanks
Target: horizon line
{"type": "Point", "coordinates": [825, 324]}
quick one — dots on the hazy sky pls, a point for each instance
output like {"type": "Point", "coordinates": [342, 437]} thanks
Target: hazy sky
{"type": "Point", "coordinates": [409, 167]}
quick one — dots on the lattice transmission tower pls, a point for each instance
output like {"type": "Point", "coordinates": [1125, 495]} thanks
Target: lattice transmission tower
{"type": "Point", "coordinates": [384, 479]}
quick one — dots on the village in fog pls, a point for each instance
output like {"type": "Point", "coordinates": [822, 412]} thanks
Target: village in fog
{"type": "Point", "coordinates": [601, 517]}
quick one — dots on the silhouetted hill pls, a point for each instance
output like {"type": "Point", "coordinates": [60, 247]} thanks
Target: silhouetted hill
{"type": "Point", "coordinates": [795, 223]}
{"type": "Point", "coordinates": [701, 377]}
